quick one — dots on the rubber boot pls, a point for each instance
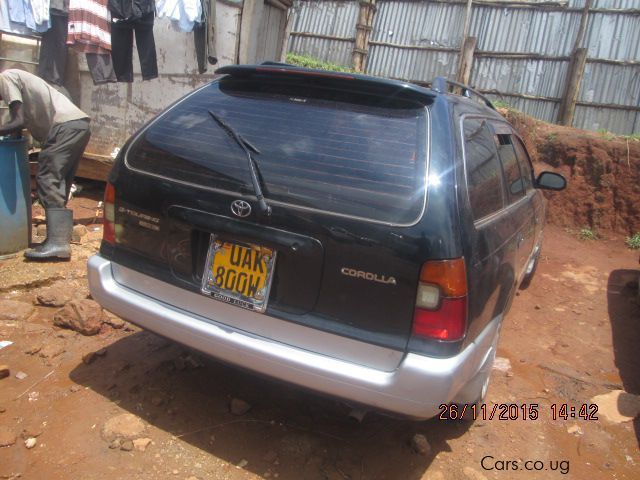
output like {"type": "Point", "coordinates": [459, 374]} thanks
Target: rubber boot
{"type": "Point", "coordinates": [59, 229]}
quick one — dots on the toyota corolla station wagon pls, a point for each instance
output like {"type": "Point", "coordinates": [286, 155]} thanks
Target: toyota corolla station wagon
{"type": "Point", "coordinates": [357, 236]}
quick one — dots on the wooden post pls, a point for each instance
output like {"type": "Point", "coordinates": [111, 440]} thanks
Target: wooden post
{"type": "Point", "coordinates": [286, 35]}
{"type": "Point", "coordinates": [575, 72]}
{"type": "Point", "coordinates": [363, 31]}
{"type": "Point", "coordinates": [572, 88]}
{"type": "Point", "coordinates": [466, 60]}
{"type": "Point", "coordinates": [467, 20]}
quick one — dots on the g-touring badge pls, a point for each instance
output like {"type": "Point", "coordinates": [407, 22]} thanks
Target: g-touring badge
{"type": "Point", "coordinates": [373, 277]}
{"type": "Point", "coordinates": [240, 208]}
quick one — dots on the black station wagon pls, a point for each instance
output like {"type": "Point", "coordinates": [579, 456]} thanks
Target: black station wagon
{"type": "Point", "coordinates": [353, 235]}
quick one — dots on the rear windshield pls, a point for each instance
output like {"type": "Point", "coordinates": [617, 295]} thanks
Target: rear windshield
{"type": "Point", "coordinates": [343, 152]}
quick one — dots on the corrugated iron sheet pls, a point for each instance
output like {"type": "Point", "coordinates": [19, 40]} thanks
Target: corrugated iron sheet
{"type": "Point", "coordinates": [419, 23]}
{"type": "Point", "coordinates": [612, 36]}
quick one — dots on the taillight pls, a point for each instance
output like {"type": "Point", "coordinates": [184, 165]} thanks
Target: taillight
{"type": "Point", "coordinates": [441, 301]}
{"type": "Point", "coordinates": [108, 231]}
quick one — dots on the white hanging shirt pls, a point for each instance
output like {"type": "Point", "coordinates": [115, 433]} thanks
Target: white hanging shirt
{"type": "Point", "coordinates": [186, 13]}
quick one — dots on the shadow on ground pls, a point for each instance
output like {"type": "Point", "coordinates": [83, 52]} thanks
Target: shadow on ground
{"type": "Point", "coordinates": [624, 312]}
{"type": "Point", "coordinates": [312, 436]}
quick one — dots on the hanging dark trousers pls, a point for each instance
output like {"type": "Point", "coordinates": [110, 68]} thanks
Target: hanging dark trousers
{"type": "Point", "coordinates": [59, 231]}
{"type": "Point", "coordinates": [122, 47]}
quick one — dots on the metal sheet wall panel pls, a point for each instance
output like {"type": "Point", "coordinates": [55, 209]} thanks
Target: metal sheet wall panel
{"type": "Point", "coordinates": [336, 19]}
{"type": "Point", "coordinates": [618, 4]}
{"type": "Point", "coordinates": [613, 36]}
{"type": "Point", "coordinates": [419, 23]}
{"type": "Point", "coordinates": [524, 30]}
{"type": "Point", "coordinates": [414, 65]}
{"type": "Point", "coordinates": [611, 84]}
{"type": "Point", "coordinates": [544, 78]}
{"type": "Point", "coordinates": [332, 51]}
{"type": "Point", "coordinates": [623, 122]}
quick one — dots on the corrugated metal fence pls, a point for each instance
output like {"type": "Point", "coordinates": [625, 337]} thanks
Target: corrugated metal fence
{"type": "Point", "coordinates": [522, 54]}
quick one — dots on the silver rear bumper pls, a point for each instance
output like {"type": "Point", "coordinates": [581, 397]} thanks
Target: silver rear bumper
{"type": "Point", "coordinates": [415, 388]}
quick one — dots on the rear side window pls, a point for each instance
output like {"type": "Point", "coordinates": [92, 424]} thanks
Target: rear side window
{"type": "Point", "coordinates": [525, 163]}
{"type": "Point", "coordinates": [343, 152]}
{"type": "Point", "coordinates": [484, 179]}
{"type": "Point", "coordinates": [510, 167]}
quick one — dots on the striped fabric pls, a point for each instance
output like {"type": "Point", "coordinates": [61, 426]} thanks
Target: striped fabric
{"type": "Point", "coordinates": [89, 26]}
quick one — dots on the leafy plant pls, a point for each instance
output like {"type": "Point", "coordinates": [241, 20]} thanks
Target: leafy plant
{"type": "Point", "coordinates": [501, 104]}
{"type": "Point", "coordinates": [633, 242]}
{"type": "Point", "coordinates": [587, 234]}
{"type": "Point", "coordinates": [606, 134]}
{"type": "Point", "coordinates": [310, 62]}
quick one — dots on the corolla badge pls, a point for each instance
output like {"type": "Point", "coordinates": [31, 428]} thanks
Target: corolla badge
{"type": "Point", "coordinates": [372, 277]}
{"type": "Point", "coordinates": [240, 208]}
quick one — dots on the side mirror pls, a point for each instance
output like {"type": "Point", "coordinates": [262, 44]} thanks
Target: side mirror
{"type": "Point", "coordinates": [551, 181]}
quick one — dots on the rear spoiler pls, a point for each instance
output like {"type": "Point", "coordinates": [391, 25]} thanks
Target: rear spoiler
{"type": "Point", "coordinates": [352, 80]}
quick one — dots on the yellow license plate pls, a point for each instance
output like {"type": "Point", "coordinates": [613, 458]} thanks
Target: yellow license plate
{"type": "Point", "coordinates": [239, 273]}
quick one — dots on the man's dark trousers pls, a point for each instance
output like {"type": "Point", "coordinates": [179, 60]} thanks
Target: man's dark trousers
{"type": "Point", "coordinates": [59, 160]}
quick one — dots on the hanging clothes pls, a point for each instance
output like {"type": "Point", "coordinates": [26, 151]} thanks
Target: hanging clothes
{"type": "Point", "coordinates": [33, 14]}
{"type": "Point", "coordinates": [53, 49]}
{"type": "Point", "coordinates": [89, 33]}
{"type": "Point", "coordinates": [40, 9]}
{"type": "Point", "coordinates": [204, 36]}
{"type": "Point", "coordinates": [130, 9]}
{"type": "Point", "coordinates": [88, 29]}
{"type": "Point", "coordinates": [183, 13]}
{"type": "Point", "coordinates": [129, 17]}
{"type": "Point", "coordinates": [9, 26]}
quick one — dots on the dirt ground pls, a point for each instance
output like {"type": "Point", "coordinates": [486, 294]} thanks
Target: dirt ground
{"type": "Point", "coordinates": [571, 336]}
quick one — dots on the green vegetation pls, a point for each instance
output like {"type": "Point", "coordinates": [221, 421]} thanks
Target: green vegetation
{"type": "Point", "coordinates": [310, 62]}
{"type": "Point", "coordinates": [633, 242]}
{"type": "Point", "coordinates": [606, 134]}
{"type": "Point", "coordinates": [587, 234]}
{"type": "Point", "coordinates": [502, 104]}
{"type": "Point", "coordinates": [635, 137]}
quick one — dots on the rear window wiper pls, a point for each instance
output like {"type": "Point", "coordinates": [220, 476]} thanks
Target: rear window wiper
{"type": "Point", "coordinates": [254, 170]}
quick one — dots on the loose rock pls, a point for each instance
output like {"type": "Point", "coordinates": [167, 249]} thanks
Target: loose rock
{"type": "Point", "coordinates": [30, 442]}
{"type": "Point", "coordinates": [238, 406]}
{"type": "Point", "coordinates": [4, 371]}
{"type": "Point", "coordinates": [115, 444]}
{"type": "Point", "coordinates": [33, 349]}
{"type": "Point", "coordinates": [14, 311]}
{"type": "Point", "coordinates": [502, 364]}
{"type": "Point", "coordinates": [126, 446]}
{"type": "Point", "coordinates": [125, 426]}
{"type": "Point", "coordinates": [52, 297]}
{"type": "Point", "coordinates": [78, 233]}
{"type": "Point", "coordinates": [2, 409]}
{"type": "Point", "coordinates": [51, 350]}
{"type": "Point", "coordinates": [113, 320]}
{"type": "Point", "coordinates": [420, 444]}
{"type": "Point", "coordinates": [141, 444]}
{"type": "Point", "coordinates": [7, 437]}
{"type": "Point", "coordinates": [83, 316]}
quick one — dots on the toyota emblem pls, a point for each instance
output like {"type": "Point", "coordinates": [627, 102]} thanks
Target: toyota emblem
{"type": "Point", "coordinates": [240, 208]}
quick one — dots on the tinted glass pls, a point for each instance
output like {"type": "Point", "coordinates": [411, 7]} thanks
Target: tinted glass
{"type": "Point", "coordinates": [525, 163]}
{"type": "Point", "coordinates": [344, 152]}
{"type": "Point", "coordinates": [510, 167]}
{"type": "Point", "coordinates": [484, 179]}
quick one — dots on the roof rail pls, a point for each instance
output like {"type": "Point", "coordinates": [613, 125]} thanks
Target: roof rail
{"type": "Point", "coordinates": [441, 85]}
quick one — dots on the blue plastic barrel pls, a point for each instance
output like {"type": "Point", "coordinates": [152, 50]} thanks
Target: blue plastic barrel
{"type": "Point", "coordinates": [15, 196]}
